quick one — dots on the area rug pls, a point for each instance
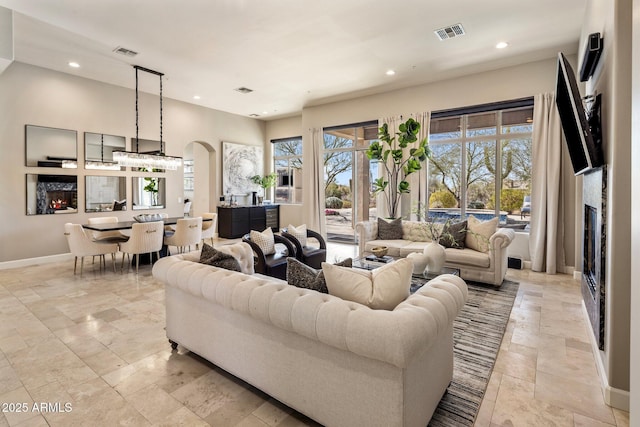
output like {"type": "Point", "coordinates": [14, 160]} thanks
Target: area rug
{"type": "Point", "coordinates": [477, 334]}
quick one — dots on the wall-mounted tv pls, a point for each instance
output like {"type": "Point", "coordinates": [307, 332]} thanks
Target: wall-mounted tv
{"type": "Point", "coordinates": [582, 134]}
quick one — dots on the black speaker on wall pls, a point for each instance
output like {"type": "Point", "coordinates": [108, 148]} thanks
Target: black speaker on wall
{"type": "Point", "coordinates": [592, 53]}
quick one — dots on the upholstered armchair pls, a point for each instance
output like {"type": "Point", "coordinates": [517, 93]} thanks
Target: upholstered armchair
{"type": "Point", "coordinates": [313, 256]}
{"type": "Point", "coordinates": [274, 265]}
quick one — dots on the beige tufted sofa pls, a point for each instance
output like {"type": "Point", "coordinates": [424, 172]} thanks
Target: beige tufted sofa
{"type": "Point", "coordinates": [338, 362]}
{"type": "Point", "coordinates": [490, 267]}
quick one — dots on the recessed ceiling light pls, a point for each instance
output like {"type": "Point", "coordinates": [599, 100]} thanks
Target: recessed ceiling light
{"type": "Point", "coordinates": [74, 64]}
{"type": "Point", "coordinates": [196, 96]}
{"type": "Point", "coordinates": [243, 89]}
{"type": "Point", "coordinates": [265, 112]}
{"type": "Point", "coordinates": [502, 45]}
{"type": "Point", "coordinates": [254, 115]}
{"type": "Point", "coordinates": [390, 73]}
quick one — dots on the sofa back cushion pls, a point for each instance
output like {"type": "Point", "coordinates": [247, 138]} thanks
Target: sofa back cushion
{"type": "Point", "coordinates": [383, 288]}
{"type": "Point", "coordinates": [418, 231]}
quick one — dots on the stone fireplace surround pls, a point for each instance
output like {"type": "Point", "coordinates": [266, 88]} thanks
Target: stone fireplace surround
{"type": "Point", "coordinates": [594, 199]}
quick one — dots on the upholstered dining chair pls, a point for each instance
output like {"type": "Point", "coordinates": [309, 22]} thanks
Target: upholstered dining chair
{"type": "Point", "coordinates": [313, 256]}
{"type": "Point", "coordinates": [188, 232]}
{"type": "Point", "coordinates": [107, 236]}
{"type": "Point", "coordinates": [274, 265]}
{"type": "Point", "coordinates": [209, 227]}
{"type": "Point", "coordinates": [146, 238]}
{"type": "Point", "coordinates": [81, 245]}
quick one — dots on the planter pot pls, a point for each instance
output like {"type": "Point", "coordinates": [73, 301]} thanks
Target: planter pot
{"type": "Point", "coordinates": [436, 257]}
{"type": "Point", "coordinates": [419, 261]}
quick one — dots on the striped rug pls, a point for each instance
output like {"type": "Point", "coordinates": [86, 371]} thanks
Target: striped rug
{"type": "Point", "coordinates": [477, 334]}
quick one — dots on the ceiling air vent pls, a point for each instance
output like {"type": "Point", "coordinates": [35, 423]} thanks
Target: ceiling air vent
{"type": "Point", "coordinates": [124, 51]}
{"type": "Point", "coordinates": [243, 90]}
{"type": "Point", "coordinates": [450, 32]}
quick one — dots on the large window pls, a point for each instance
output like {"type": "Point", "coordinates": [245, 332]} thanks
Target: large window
{"type": "Point", "coordinates": [287, 164]}
{"type": "Point", "coordinates": [481, 164]}
{"type": "Point", "coordinates": [348, 176]}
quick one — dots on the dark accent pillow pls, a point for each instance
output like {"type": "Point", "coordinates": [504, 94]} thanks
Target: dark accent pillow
{"type": "Point", "coordinates": [211, 256]}
{"type": "Point", "coordinates": [390, 230]}
{"type": "Point", "coordinates": [453, 235]}
{"type": "Point", "coordinates": [120, 205]}
{"type": "Point", "coordinates": [302, 276]}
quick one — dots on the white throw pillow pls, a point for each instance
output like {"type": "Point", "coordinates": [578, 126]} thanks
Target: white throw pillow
{"type": "Point", "coordinates": [264, 240]}
{"type": "Point", "coordinates": [299, 232]}
{"type": "Point", "coordinates": [381, 289]}
{"type": "Point", "coordinates": [479, 232]}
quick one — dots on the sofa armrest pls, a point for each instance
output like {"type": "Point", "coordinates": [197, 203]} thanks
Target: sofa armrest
{"type": "Point", "coordinates": [365, 232]}
{"type": "Point", "coordinates": [501, 238]}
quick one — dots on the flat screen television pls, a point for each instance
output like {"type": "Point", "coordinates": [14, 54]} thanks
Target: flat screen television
{"type": "Point", "coordinates": [581, 133]}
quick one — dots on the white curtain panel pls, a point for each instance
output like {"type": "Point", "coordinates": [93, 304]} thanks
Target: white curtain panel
{"type": "Point", "coordinates": [418, 180]}
{"type": "Point", "coordinates": [314, 199]}
{"type": "Point", "coordinates": [547, 216]}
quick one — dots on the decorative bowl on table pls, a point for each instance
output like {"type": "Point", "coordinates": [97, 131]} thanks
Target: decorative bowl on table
{"type": "Point", "coordinates": [379, 251]}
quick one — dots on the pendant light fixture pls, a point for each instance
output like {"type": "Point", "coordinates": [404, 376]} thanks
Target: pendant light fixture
{"type": "Point", "coordinates": [150, 160]}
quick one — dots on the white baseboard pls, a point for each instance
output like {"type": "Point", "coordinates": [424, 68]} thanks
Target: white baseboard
{"type": "Point", "coordinates": [526, 265]}
{"type": "Point", "coordinates": [35, 261]}
{"type": "Point", "coordinates": [577, 275]}
{"type": "Point", "coordinates": [614, 397]}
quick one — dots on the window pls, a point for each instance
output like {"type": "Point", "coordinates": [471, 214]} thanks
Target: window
{"type": "Point", "coordinates": [287, 164]}
{"type": "Point", "coordinates": [481, 162]}
{"type": "Point", "coordinates": [348, 175]}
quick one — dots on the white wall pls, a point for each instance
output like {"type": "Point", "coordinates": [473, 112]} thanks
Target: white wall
{"type": "Point", "coordinates": [33, 95]}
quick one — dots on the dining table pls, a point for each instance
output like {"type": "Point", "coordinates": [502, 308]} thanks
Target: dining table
{"type": "Point", "coordinates": [124, 225]}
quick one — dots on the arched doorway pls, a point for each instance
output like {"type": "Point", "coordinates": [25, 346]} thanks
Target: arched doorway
{"type": "Point", "coordinates": [200, 177]}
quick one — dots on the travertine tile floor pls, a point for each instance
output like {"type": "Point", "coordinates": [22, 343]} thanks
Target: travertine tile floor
{"type": "Point", "coordinates": [91, 351]}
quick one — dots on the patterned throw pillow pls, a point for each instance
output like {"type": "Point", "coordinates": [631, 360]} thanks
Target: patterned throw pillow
{"type": "Point", "coordinates": [479, 233]}
{"type": "Point", "coordinates": [299, 232]}
{"type": "Point", "coordinates": [303, 276]}
{"type": "Point", "coordinates": [213, 257]}
{"type": "Point", "coordinates": [454, 235]}
{"type": "Point", "coordinates": [390, 230]}
{"type": "Point", "coordinates": [264, 240]}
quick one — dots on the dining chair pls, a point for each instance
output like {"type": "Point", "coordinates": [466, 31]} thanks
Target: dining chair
{"type": "Point", "coordinates": [188, 232]}
{"type": "Point", "coordinates": [81, 246]}
{"type": "Point", "coordinates": [146, 238]}
{"type": "Point", "coordinates": [114, 236]}
{"type": "Point", "coordinates": [209, 227]}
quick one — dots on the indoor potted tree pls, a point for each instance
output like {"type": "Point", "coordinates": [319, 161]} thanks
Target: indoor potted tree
{"type": "Point", "coordinates": [399, 161]}
{"type": "Point", "coordinates": [265, 182]}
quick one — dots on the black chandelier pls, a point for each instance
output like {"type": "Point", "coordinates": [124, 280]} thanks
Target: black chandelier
{"type": "Point", "coordinates": [153, 159]}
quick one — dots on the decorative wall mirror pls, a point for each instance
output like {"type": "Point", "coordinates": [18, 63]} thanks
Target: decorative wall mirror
{"type": "Point", "coordinates": [148, 192]}
{"type": "Point", "coordinates": [52, 194]}
{"type": "Point", "coordinates": [105, 193]}
{"type": "Point", "coordinates": [50, 147]}
{"type": "Point", "coordinates": [98, 149]}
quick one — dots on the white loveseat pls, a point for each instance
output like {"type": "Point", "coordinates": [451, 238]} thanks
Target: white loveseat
{"type": "Point", "coordinates": [338, 362]}
{"type": "Point", "coordinates": [489, 267]}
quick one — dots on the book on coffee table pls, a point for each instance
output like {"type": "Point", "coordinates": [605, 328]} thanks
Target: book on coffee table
{"type": "Point", "coordinates": [385, 259]}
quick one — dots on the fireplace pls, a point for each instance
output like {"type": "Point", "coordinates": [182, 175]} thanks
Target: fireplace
{"type": "Point", "coordinates": [594, 192]}
{"type": "Point", "coordinates": [56, 193]}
